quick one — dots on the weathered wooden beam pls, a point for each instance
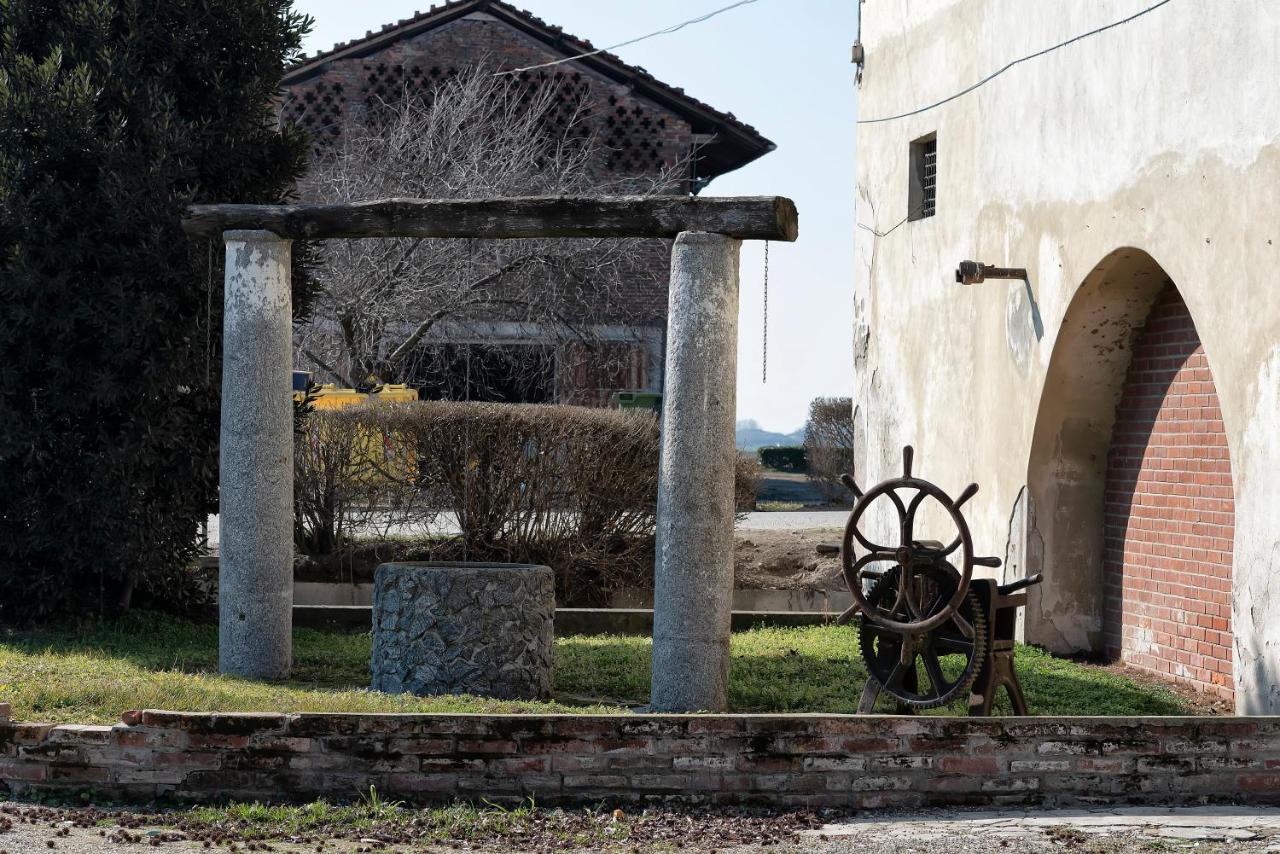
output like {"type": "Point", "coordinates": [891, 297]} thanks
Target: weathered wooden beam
{"type": "Point", "coordinates": [755, 218]}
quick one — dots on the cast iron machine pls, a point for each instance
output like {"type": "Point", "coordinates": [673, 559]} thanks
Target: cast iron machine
{"type": "Point", "coordinates": [928, 630]}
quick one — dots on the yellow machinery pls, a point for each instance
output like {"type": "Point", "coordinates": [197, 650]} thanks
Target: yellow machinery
{"type": "Point", "coordinates": [331, 397]}
{"type": "Point", "coordinates": [371, 452]}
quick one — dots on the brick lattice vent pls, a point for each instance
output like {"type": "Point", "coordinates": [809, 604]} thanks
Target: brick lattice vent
{"type": "Point", "coordinates": [1170, 510]}
{"type": "Point", "coordinates": [790, 761]}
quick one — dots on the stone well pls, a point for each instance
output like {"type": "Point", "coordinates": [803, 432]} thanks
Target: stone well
{"type": "Point", "coordinates": [463, 628]}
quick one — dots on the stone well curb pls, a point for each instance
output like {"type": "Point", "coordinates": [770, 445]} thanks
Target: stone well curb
{"type": "Point", "coordinates": [775, 760]}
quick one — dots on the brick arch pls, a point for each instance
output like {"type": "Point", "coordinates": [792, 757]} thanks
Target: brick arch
{"type": "Point", "coordinates": [1066, 499]}
{"type": "Point", "coordinates": [1169, 509]}
{"type": "Point", "coordinates": [1066, 471]}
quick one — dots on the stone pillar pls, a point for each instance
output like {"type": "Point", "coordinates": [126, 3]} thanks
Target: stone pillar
{"type": "Point", "coordinates": [693, 583]}
{"type": "Point", "coordinates": [255, 560]}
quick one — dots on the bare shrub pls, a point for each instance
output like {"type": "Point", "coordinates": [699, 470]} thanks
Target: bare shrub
{"type": "Point", "coordinates": [828, 443]}
{"type": "Point", "coordinates": [746, 482]}
{"type": "Point", "coordinates": [353, 476]}
{"type": "Point", "coordinates": [571, 487]}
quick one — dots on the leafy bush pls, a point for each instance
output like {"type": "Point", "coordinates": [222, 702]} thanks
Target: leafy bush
{"type": "Point", "coordinates": [828, 443]}
{"type": "Point", "coordinates": [114, 117]}
{"type": "Point", "coordinates": [789, 458]}
{"type": "Point", "coordinates": [570, 487]}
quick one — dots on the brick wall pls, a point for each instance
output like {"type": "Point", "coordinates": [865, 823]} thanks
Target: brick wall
{"type": "Point", "coordinates": [784, 761]}
{"type": "Point", "coordinates": [1170, 510]}
{"type": "Point", "coordinates": [637, 137]}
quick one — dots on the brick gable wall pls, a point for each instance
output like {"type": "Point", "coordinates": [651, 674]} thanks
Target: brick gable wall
{"type": "Point", "coordinates": [1170, 510]}
{"type": "Point", "coordinates": [638, 137]}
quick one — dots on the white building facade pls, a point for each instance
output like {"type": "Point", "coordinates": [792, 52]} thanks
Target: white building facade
{"type": "Point", "coordinates": [1120, 407]}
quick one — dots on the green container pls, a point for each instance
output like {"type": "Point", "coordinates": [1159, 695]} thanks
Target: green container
{"type": "Point", "coordinates": [650, 400]}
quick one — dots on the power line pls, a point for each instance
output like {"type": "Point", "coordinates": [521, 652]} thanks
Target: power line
{"type": "Point", "coordinates": [910, 214]}
{"type": "Point", "coordinates": [637, 40]}
{"type": "Point", "coordinates": [1035, 55]}
{"type": "Point", "coordinates": [900, 222]}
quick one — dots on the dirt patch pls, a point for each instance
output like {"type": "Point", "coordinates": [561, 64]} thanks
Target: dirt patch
{"type": "Point", "coordinates": [763, 560]}
{"type": "Point", "coordinates": [26, 828]}
{"type": "Point", "coordinates": [787, 560]}
{"type": "Point", "coordinates": [1199, 702]}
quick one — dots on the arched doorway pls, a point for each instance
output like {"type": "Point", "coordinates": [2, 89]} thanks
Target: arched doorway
{"type": "Point", "coordinates": [1170, 509]}
{"type": "Point", "coordinates": [1122, 530]}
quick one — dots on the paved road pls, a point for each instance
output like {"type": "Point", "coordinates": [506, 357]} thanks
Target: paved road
{"type": "Point", "coordinates": [800, 520]}
{"type": "Point", "coordinates": [803, 520]}
{"type": "Point", "coordinates": [1122, 830]}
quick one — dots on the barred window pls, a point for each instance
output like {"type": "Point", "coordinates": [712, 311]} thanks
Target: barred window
{"type": "Point", "coordinates": [922, 195]}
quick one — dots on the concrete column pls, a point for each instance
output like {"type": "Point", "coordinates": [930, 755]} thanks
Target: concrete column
{"type": "Point", "coordinates": [693, 590]}
{"type": "Point", "coordinates": [255, 565]}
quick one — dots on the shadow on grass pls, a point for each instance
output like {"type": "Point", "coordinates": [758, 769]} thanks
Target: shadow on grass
{"type": "Point", "coordinates": [158, 642]}
{"type": "Point", "coordinates": [820, 670]}
{"type": "Point", "coordinates": [817, 669]}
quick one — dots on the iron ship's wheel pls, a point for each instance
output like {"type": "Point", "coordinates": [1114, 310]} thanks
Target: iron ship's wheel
{"type": "Point", "coordinates": [932, 668]}
{"type": "Point", "coordinates": [910, 560]}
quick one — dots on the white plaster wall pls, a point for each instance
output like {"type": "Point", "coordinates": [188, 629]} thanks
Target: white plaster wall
{"type": "Point", "coordinates": [1163, 135]}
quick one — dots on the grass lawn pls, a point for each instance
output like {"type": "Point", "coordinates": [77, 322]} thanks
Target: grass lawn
{"type": "Point", "coordinates": [780, 506]}
{"type": "Point", "coordinates": [91, 675]}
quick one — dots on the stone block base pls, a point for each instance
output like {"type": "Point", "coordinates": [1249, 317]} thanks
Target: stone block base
{"type": "Point", "coordinates": [463, 628]}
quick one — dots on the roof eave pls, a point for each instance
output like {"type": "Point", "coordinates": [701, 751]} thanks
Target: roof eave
{"type": "Point", "coordinates": [739, 144]}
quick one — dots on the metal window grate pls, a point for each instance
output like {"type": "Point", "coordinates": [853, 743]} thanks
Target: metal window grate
{"type": "Point", "coordinates": [929, 178]}
{"type": "Point", "coordinates": [922, 188]}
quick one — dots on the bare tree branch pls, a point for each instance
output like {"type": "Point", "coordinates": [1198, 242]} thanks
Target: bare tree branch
{"type": "Point", "coordinates": [381, 302]}
{"type": "Point", "coordinates": [326, 367]}
{"type": "Point", "coordinates": [398, 355]}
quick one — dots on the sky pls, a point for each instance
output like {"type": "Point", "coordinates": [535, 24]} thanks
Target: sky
{"type": "Point", "coordinates": [784, 67]}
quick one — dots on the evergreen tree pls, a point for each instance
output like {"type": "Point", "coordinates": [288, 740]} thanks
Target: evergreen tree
{"type": "Point", "coordinates": [114, 116]}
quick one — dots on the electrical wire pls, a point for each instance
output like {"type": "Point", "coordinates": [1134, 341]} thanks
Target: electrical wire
{"type": "Point", "coordinates": [637, 40]}
{"type": "Point", "coordinates": [1019, 61]}
{"type": "Point", "coordinates": [910, 214]}
{"type": "Point", "coordinates": [865, 227]}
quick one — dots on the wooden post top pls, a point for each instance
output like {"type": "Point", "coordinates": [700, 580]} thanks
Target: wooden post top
{"type": "Point", "coordinates": [750, 218]}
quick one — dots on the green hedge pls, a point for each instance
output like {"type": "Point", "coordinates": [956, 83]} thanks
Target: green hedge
{"type": "Point", "coordinates": [789, 458]}
{"type": "Point", "coordinates": [114, 117]}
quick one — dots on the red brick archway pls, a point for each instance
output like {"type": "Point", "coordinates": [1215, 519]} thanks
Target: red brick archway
{"type": "Point", "coordinates": [1169, 521]}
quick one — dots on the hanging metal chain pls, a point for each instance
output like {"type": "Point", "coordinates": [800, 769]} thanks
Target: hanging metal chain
{"type": "Point", "coordinates": [764, 374]}
{"type": "Point", "coordinates": [208, 317]}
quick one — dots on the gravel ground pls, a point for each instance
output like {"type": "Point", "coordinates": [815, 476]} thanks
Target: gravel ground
{"type": "Point", "coordinates": [1203, 830]}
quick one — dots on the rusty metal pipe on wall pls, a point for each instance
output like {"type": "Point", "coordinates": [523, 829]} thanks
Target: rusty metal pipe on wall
{"type": "Point", "coordinates": [975, 272]}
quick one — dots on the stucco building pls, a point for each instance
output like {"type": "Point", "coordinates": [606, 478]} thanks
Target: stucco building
{"type": "Point", "coordinates": [1121, 406]}
{"type": "Point", "coordinates": [644, 127]}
